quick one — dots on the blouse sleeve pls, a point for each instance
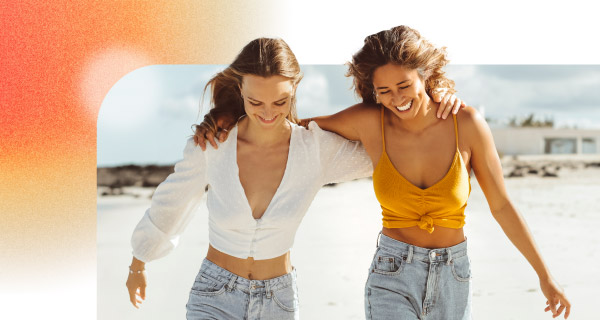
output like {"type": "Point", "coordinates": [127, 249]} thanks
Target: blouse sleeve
{"type": "Point", "coordinates": [341, 159]}
{"type": "Point", "coordinates": [173, 204]}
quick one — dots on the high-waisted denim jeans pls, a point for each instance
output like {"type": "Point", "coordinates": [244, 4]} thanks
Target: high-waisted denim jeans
{"type": "Point", "coordinates": [409, 282]}
{"type": "Point", "coordinates": [220, 294]}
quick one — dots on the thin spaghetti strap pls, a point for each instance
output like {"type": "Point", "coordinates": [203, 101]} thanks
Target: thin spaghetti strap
{"type": "Point", "coordinates": [382, 131]}
{"type": "Point", "coordinates": [455, 129]}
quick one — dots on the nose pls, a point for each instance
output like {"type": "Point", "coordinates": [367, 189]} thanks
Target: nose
{"type": "Point", "coordinates": [396, 97]}
{"type": "Point", "coordinates": [269, 111]}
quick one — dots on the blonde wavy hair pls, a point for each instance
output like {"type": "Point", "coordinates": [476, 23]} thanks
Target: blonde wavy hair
{"type": "Point", "coordinates": [403, 46]}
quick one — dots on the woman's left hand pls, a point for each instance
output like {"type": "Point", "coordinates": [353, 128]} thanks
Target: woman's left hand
{"type": "Point", "coordinates": [555, 295]}
{"type": "Point", "coordinates": [448, 103]}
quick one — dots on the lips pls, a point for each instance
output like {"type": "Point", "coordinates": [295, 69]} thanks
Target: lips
{"type": "Point", "coordinates": [404, 107]}
{"type": "Point", "coordinates": [267, 120]}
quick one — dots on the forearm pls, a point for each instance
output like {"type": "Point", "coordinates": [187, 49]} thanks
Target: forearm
{"type": "Point", "coordinates": [514, 226]}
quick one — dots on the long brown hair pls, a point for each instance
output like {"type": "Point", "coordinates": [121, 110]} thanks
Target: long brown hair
{"type": "Point", "coordinates": [401, 46]}
{"type": "Point", "coordinates": [262, 57]}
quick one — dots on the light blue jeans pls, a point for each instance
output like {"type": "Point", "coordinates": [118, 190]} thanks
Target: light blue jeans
{"type": "Point", "coordinates": [409, 282]}
{"type": "Point", "coordinates": [220, 294]}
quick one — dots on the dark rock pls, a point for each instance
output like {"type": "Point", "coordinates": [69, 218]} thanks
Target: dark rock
{"type": "Point", "coordinates": [516, 173]}
{"type": "Point", "coordinates": [549, 175]}
{"type": "Point", "coordinates": [133, 175]}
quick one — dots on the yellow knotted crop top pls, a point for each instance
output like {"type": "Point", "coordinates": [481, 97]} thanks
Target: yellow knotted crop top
{"type": "Point", "coordinates": [405, 205]}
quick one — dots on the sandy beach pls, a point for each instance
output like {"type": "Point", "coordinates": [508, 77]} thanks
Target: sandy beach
{"type": "Point", "coordinates": [337, 238]}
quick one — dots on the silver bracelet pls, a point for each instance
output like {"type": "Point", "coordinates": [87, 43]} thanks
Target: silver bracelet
{"type": "Point", "coordinates": [138, 271]}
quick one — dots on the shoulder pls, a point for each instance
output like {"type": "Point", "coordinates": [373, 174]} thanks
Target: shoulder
{"type": "Point", "coordinates": [192, 150]}
{"type": "Point", "coordinates": [310, 134]}
{"type": "Point", "coordinates": [472, 125]}
{"type": "Point", "coordinates": [470, 119]}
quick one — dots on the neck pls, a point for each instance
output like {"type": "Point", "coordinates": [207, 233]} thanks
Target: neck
{"type": "Point", "coordinates": [257, 135]}
{"type": "Point", "coordinates": [424, 118]}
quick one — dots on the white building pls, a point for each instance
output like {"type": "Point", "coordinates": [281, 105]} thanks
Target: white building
{"type": "Point", "coordinates": [523, 141]}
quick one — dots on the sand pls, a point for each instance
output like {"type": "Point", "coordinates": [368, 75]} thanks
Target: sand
{"type": "Point", "coordinates": [336, 242]}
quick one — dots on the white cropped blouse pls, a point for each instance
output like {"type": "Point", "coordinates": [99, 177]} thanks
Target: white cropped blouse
{"type": "Point", "coordinates": [316, 157]}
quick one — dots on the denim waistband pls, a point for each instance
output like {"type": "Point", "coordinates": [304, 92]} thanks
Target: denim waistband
{"type": "Point", "coordinates": [246, 285]}
{"type": "Point", "coordinates": [411, 252]}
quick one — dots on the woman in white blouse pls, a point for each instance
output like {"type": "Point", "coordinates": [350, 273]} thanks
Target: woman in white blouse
{"type": "Point", "coordinates": [260, 182]}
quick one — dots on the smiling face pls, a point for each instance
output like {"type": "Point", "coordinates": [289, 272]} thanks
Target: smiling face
{"type": "Point", "coordinates": [267, 101]}
{"type": "Point", "coordinates": [401, 90]}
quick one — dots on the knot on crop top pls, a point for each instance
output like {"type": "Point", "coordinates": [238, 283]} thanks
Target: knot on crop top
{"type": "Point", "coordinates": [405, 205]}
{"type": "Point", "coordinates": [426, 223]}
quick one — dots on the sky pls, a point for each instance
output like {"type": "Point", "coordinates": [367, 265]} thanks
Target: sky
{"type": "Point", "coordinates": [147, 115]}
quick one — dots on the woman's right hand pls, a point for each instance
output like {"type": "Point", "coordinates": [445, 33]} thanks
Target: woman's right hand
{"type": "Point", "coordinates": [212, 128]}
{"type": "Point", "coordinates": [136, 282]}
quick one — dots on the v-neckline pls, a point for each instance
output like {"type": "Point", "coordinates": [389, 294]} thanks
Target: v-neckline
{"type": "Point", "coordinates": [456, 156]}
{"type": "Point", "coordinates": [234, 136]}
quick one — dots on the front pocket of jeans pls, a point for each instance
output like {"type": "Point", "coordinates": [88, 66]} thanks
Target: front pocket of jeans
{"type": "Point", "coordinates": [286, 299]}
{"type": "Point", "coordinates": [461, 269]}
{"type": "Point", "coordinates": [389, 265]}
{"type": "Point", "coordinates": [208, 286]}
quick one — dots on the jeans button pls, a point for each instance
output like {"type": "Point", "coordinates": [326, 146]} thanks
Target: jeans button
{"type": "Point", "coordinates": [432, 254]}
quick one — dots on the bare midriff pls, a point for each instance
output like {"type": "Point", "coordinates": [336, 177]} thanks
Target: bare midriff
{"type": "Point", "coordinates": [440, 238]}
{"type": "Point", "coordinates": [250, 268]}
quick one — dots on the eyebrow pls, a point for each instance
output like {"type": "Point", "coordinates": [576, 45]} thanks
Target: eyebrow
{"type": "Point", "coordinates": [250, 98]}
{"type": "Point", "coordinates": [399, 83]}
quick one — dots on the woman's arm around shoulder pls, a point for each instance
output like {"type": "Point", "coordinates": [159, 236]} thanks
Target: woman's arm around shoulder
{"type": "Point", "coordinates": [486, 165]}
{"type": "Point", "coordinates": [352, 122]}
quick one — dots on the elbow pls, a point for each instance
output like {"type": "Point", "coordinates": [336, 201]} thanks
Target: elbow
{"type": "Point", "coordinates": [500, 210]}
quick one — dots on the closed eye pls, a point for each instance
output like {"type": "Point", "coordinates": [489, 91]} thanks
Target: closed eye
{"type": "Point", "coordinates": [279, 104]}
{"type": "Point", "coordinates": [256, 104]}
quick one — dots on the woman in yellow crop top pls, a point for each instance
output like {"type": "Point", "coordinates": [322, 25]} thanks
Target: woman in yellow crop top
{"type": "Point", "coordinates": [421, 179]}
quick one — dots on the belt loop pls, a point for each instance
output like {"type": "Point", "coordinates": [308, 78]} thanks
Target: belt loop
{"type": "Point", "coordinates": [410, 254]}
{"type": "Point", "coordinates": [449, 256]}
{"type": "Point", "coordinates": [230, 284]}
{"type": "Point", "coordinates": [268, 288]}
{"type": "Point", "coordinates": [378, 237]}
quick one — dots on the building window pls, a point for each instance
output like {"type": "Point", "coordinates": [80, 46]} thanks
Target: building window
{"type": "Point", "coordinates": [588, 145]}
{"type": "Point", "coordinates": [560, 145]}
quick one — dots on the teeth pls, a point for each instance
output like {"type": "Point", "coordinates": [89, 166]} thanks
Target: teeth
{"type": "Point", "coordinates": [268, 119]}
{"type": "Point", "coordinates": [405, 107]}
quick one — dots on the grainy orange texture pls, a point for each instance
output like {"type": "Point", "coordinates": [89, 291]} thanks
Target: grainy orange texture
{"type": "Point", "coordinates": [58, 61]}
